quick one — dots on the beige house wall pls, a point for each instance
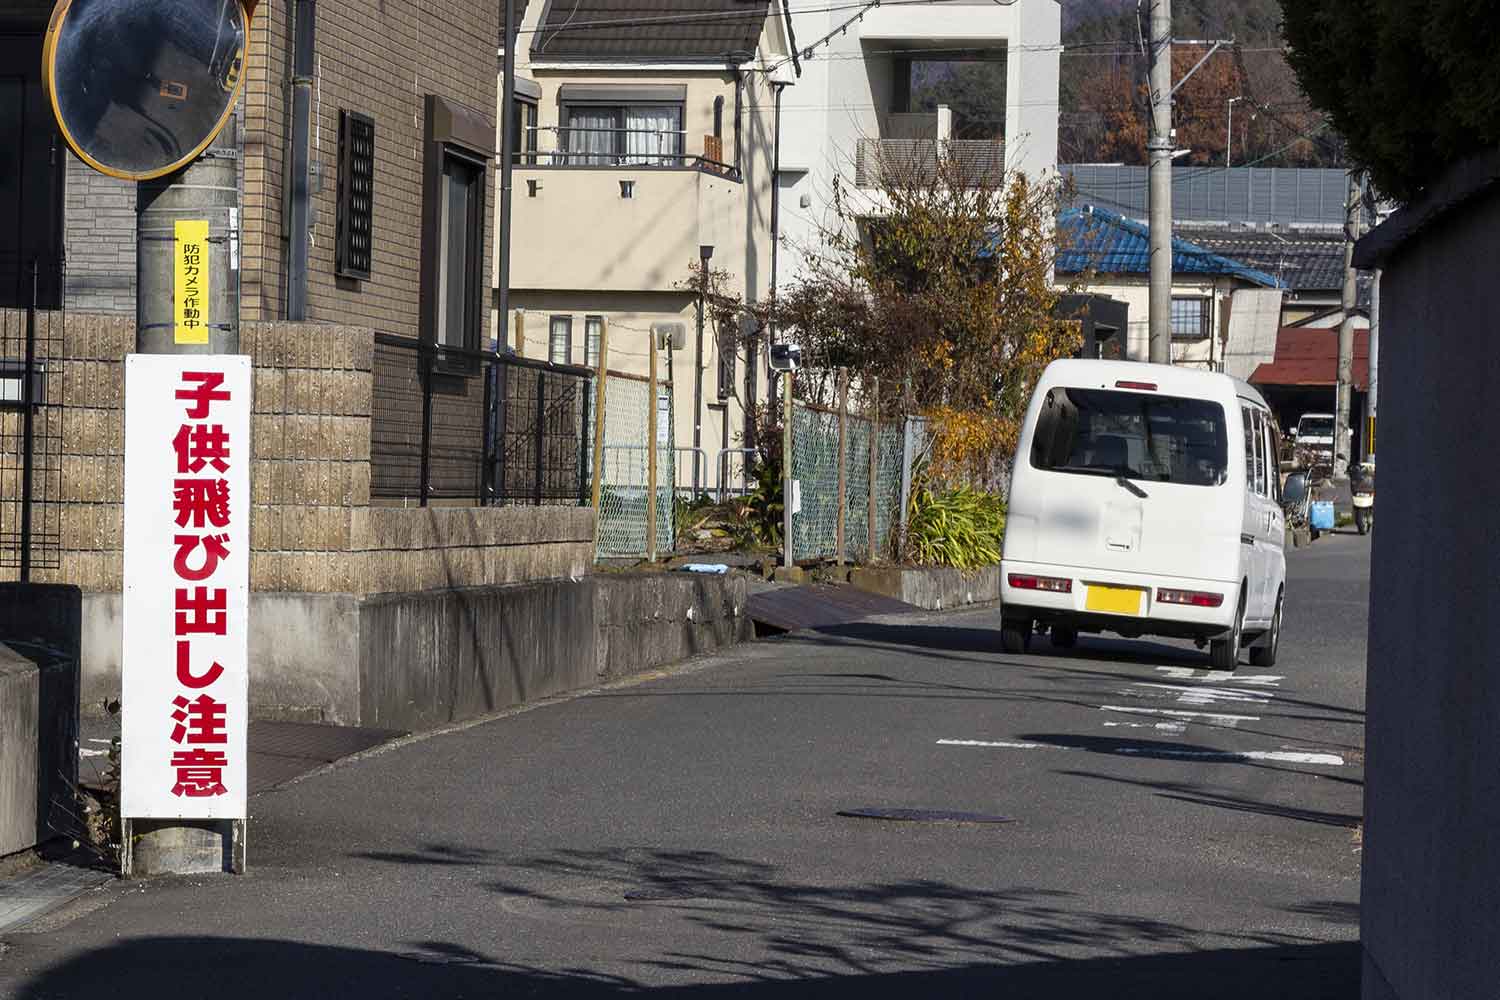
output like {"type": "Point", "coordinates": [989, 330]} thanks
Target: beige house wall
{"type": "Point", "coordinates": [1136, 293]}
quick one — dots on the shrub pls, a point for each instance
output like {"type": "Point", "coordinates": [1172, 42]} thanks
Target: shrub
{"type": "Point", "coordinates": [961, 527]}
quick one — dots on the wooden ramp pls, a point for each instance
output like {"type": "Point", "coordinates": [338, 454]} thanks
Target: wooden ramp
{"type": "Point", "coordinates": [818, 605]}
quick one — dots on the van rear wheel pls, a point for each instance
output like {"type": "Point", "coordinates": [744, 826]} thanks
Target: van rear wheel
{"type": "Point", "coordinates": [1015, 635]}
{"type": "Point", "coordinates": [1224, 654]}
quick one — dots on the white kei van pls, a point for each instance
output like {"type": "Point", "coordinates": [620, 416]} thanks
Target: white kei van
{"type": "Point", "coordinates": [1145, 500]}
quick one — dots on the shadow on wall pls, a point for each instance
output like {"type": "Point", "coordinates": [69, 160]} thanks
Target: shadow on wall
{"type": "Point", "coordinates": [242, 969]}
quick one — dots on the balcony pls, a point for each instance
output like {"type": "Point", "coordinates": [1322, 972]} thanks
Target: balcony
{"type": "Point", "coordinates": [624, 220]}
{"type": "Point", "coordinates": [912, 146]}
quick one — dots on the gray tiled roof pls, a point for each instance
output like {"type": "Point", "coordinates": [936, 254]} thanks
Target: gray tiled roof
{"type": "Point", "coordinates": [1303, 261]}
{"type": "Point", "coordinates": [710, 31]}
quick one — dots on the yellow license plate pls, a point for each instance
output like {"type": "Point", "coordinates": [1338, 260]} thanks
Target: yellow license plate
{"type": "Point", "coordinates": [1115, 600]}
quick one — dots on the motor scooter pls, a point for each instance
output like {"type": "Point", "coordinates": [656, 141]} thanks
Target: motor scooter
{"type": "Point", "coordinates": [1362, 483]}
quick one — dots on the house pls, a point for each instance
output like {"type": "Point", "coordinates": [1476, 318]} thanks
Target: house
{"type": "Point", "coordinates": [643, 145]}
{"type": "Point", "coordinates": [886, 87]}
{"type": "Point", "coordinates": [1288, 223]}
{"type": "Point", "coordinates": [1109, 254]}
{"type": "Point", "coordinates": [1302, 377]}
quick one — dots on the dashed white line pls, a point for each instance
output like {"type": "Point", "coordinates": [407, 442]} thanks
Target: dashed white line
{"type": "Point", "coordinates": [1214, 718]}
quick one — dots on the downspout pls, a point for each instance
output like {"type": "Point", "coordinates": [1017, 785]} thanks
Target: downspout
{"type": "Point", "coordinates": [298, 213]}
{"type": "Point", "coordinates": [507, 169]}
{"type": "Point", "coordinates": [739, 104]}
{"type": "Point", "coordinates": [776, 89]}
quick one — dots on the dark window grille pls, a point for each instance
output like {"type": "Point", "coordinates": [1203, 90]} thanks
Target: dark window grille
{"type": "Point", "coordinates": [354, 256]}
{"type": "Point", "coordinates": [1190, 319]}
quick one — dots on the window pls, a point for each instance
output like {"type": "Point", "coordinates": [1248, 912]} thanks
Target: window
{"type": "Point", "coordinates": [622, 126]}
{"type": "Point", "coordinates": [353, 256]}
{"type": "Point", "coordinates": [560, 340]}
{"type": "Point", "coordinates": [458, 240]}
{"type": "Point", "coordinates": [1260, 480]}
{"type": "Point", "coordinates": [1190, 319]}
{"type": "Point", "coordinates": [593, 333]}
{"type": "Point", "coordinates": [1135, 435]}
{"type": "Point", "coordinates": [459, 148]}
{"type": "Point", "coordinates": [522, 138]}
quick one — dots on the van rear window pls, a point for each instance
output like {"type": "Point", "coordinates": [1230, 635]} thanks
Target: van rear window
{"type": "Point", "coordinates": [1137, 435]}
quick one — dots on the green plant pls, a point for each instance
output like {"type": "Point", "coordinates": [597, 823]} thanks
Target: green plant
{"type": "Point", "coordinates": [961, 527]}
{"type": "Point", "coordinates": [762, 509]}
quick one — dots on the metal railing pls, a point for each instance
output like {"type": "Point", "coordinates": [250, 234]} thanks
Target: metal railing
{"type": "Point", "coordinates": [898, 162]}
{"type": "Point", "coordinates": [614, 147]}
{"type": "Point", "coordinates": [32, 328]}
{"type": "Point", "coordinates": [477, 427]}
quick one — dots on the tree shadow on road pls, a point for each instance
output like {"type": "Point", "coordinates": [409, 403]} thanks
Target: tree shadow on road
{"type": "Point", "coordinates": [249, 969]}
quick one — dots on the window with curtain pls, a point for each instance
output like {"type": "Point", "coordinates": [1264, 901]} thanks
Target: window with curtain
{"type": "Point", "coordinates": [560, 342]}
{"type": "Point", "coordinates": [633, 134]}
{"type": "Point", "coordinates": [593, 328]}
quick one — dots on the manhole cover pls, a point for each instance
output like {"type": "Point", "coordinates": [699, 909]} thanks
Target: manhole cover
{"type": "Point", "coordinates": [923, 815]}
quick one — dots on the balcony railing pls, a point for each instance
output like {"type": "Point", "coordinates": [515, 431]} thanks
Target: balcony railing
{"type": "Point", "coordinates": [907, 162]}
{"type": "Point", "coordinates": [618, 147]}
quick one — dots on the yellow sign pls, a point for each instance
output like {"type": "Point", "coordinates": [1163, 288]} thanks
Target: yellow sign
{"type": "Point", "coordinates": [1115, 600]}
{"type": "Point", "coordinates": [190, 300]}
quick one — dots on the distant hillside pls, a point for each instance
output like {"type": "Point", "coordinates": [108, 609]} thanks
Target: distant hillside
{"type": "Point", "coordinates": [1104, 112]}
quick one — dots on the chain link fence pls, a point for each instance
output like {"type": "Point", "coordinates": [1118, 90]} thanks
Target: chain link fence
{"type": "Point", "coordinates": [898, 446]}
{"type": "Point", "coordinates": [625, 470]}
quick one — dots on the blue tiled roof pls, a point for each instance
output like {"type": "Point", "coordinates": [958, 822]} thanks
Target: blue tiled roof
{"type": "Point", "coordinates": [1112, 244]}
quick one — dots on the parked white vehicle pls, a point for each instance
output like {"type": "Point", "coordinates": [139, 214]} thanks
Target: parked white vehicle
{"type": "Point", "coordinates": [1145, 500]}
{"type": "Point", "coordinates": [1314, 434]}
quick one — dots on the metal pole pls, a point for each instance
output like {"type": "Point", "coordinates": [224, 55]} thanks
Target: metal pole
{"type": "Point", "coordinates": [1374, 402]}
{"type": "Point", "coordinates": [541, 436]}
{"type": "Point", "coordinates": [786, 469]}
{"type": "Point", "coordinates": [1346, 331]}
{"type": "Point", "coordinates": [651, 418]}
{"type": "Point", "coordinates": [28, 434]}
{"type": "Point", "coordinates": [299, 197]}
{"type": "Point", "coordinates": [843, 460]}
{"type": "Point", "coordinates": [507, 168]}
{"type": "Point", "coordinates": [602, 378]}
{"type": "Point", "coordinates": [874, 450]}
{"type": "Point", "coordinates": [424, 468]}
{"type": "Point", "coordinates": [1160, 147]}
{"type": "Point", "coordinates": [908, 456]}
{"type": "Point", "coordinates": [705, 253]}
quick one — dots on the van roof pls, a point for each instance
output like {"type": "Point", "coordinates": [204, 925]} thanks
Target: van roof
{"type": "Point", "coordinates": [1171, 379]}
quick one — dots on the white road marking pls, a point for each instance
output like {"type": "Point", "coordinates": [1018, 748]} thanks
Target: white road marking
{"type": "Point", "coordinates": [1164, 727]}
{"type": "Point", "coordinates": [1208, 695]}
{"type": "Point", "coordinates": [1212, 718]}
{"type": "Point", "coordinates": [105, 742]}
{"type": "Point", "coordinates": [1207, 756]}
{"type": "Point", "coordinates": [92, 753]}
{"type": "Point", "coordinates": [1189, 674]}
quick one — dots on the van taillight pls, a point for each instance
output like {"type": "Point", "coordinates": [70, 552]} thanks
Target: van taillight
{"type": "Point", "coordinates": [1193, 598]}
{"type": "Point", "coordinates": [1050, 584]}
{"type": "Point", "coordinates": [1142, 386]}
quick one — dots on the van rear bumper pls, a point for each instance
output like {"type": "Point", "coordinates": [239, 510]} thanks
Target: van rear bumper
{"type": "Point", "coordinates": [1155, 617]}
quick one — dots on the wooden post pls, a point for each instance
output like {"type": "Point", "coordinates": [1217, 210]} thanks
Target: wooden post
{"type": "Point", "coordinates": [786, 469]}
{"type": "Point", "coordinates": [843, 462]}
{"type": "Point", "coordinates": [602, 377]}
{"type": "Point", "coordinates": [651, 458]}
{"type": "Point", "coordinates": [874, 462]}
{"type": "Point", "coordinates": [520, 333]}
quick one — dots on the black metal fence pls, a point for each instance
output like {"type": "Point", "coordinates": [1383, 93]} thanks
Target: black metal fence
{"type": "Point", "coordinates": [31, 398]}
{"type": "Point", "coordinates": [478, 427]}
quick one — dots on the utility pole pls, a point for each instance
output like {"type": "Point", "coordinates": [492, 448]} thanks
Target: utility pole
{"type": "Point", "coordinates": [1352, 216]}
{"type": "Point", "coordinates": [1160, 147]}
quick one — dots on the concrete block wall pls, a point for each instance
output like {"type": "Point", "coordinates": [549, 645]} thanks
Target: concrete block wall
{"type": "Point", "coordinates": [99, 237]}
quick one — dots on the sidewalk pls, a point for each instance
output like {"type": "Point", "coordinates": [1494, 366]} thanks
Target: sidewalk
{"type": "Point", "coordinates": [279, 752]}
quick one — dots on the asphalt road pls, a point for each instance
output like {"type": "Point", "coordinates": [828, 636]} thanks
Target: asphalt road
{"type": "Point", "coordinates": [1172, 834]}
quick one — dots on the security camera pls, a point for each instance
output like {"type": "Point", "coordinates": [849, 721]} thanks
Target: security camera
{"type": "Point", "coordinates": [786, 357]}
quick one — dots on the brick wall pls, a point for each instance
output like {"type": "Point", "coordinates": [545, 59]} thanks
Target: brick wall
{"type": "Point", "coordinates": [380, 60]}
{"type": "Point", "coordinates": [312, 527]}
